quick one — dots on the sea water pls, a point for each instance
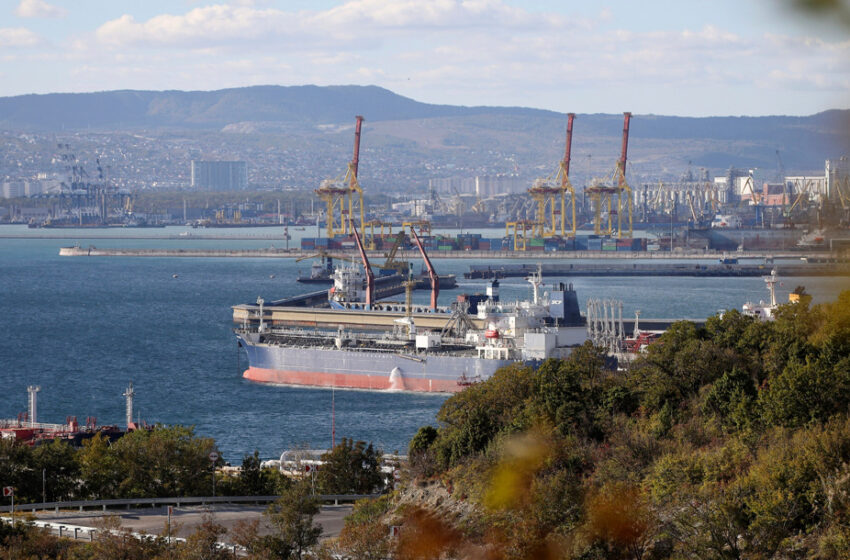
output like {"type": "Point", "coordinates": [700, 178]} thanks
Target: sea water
{"type": "Point", "coordinates": [83, 328]}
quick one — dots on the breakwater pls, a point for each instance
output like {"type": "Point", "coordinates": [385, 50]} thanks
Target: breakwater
{"type": "Point", "coordinates": [274, 252]}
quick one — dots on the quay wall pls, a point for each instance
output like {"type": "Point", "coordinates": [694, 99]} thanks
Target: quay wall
{"type": "Point", "coordinates": [92, 251]}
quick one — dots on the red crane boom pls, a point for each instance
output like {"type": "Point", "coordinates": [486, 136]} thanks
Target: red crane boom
{"type": "Point", "coordinates": [432, 274]}
{"type": "Point", "coordinates": [626, 118]}
{"type": "Point", "coordinates": [570, 118]}
{"type": "Point", "coordinates": [355, 161]}
{"type": "Point", "coordinates": [370, 276]}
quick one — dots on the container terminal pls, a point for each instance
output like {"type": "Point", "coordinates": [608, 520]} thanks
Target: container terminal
{"type": "Point", "coordinates": [742, 210]}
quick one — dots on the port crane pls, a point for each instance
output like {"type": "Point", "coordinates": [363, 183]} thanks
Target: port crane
{"type": "Point", "coordinates": [370, 276]}
{"type": "Point", "coordinates": [344, 197]}
{"type": "Point", "coordinates": [550, 219]}
{"type": "Point", "coordinates": [601, 194]}
{"type": "Point", "coordinates": [390, 262]}
{"type": "Point", "coordinates": [432, 274]}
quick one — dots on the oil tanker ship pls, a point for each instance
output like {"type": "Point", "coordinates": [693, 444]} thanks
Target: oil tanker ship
{"type": "Point", "coordinates": [360, 344]}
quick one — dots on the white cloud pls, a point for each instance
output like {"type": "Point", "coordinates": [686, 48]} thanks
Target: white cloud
{"type": "Point", "coordinates": [448, 51]}
{"type": "Point", "coordinates": [18, 37]}
{"type": "Point", "coordinates": [356, 20]}
{"type": "Point", "coordinates": [39, 9]}
{"type": "Point", "coordinates": [201, 26]}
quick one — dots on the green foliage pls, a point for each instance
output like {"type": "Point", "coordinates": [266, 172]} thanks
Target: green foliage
{"type": "Point", "coordinates": [421, 454]}
{"type": "Point", "coordinates": [350, 468]}
{"type": "Point", "coordinates": [727, 441]}
{"type": "Point", "coordinates": [474, 416]}
{"type": "Point", "coordinates": [567, 390]}
{"type": "Point", "coordinates": [806, 391]}
{"type": "Point", "coordinates": [292, 520]}
{"type": "Point", "coordinates": [422, 440]}
{"type": "Point", "coordinates": [366, 533]}
{"type": "Point", "coordinates": [100, 469]}
{"type": "Point", "coordinates": [253, 479]}
{"type": "Point", "coordinates": [166, 461]}
{"type": "Point", "coordinates": [202, 544]}
{"type": "Point", "coordinates": [731, 399]}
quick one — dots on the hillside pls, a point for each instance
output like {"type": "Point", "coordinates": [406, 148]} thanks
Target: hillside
{"type": "Point", "coordinates": [402, 126]}
{"type": "Point", "coordinates": [730, 440]}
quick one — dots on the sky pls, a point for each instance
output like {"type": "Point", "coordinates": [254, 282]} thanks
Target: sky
{"type": "Point", "coordinates": [666, 57]}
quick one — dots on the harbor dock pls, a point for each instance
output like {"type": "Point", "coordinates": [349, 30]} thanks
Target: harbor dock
{"type": "Point", "coordinates": [657, 269]}
{"type": "Point", "coordinates": [552, 263]}
{"type": "Point", "coordinates": [275, 252]}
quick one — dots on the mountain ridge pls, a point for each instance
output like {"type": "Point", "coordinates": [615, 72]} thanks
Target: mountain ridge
{"type": "Point", "coordinates": [535, 134]}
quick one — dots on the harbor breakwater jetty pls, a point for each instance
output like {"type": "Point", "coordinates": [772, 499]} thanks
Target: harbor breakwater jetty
{"type": "Point", "coordinates": [554, 263]}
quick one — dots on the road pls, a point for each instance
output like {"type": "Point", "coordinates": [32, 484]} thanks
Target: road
{"type": "Point", "coordinates": [186, 519]}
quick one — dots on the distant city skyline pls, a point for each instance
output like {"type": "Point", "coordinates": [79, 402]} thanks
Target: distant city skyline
{"type": "Point", "coordinates": [723, 57]}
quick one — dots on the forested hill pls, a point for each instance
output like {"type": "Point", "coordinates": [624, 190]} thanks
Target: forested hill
{"type": "Point", "coordinates": [214, 109]}
{"type": "Point", "coordinates": [712, 142]}
{"type": "Point", "coordinates": [726, 441]}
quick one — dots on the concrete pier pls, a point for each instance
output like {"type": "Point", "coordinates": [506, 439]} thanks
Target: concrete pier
{"type": "Point", "coordinates": [273, 252]}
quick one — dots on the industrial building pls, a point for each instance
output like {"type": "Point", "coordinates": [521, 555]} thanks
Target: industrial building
{"type": "Point", "coordinates": [219, 175]}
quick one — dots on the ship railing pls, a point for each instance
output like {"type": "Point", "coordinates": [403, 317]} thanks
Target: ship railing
{"type": "Point", "coordinates": [25, 425]}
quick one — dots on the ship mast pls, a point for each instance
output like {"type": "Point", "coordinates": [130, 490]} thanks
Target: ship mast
{"type": "Point", "coordinates": [33, 404]}
{"type": "Point", "coordinates": [771, 286]}
{"type": "Point", "coordinates": [129, 393]}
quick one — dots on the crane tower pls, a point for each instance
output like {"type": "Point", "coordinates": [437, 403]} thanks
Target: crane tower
{"type": "Point", "coordinates": [344, 196]}
{"type": "Point", "coordinates": [601, 195]}
{"type": "Point", "coordinates": [550, 219]}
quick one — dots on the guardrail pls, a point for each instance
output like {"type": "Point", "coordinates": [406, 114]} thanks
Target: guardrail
{"type": "Point", "coordinates": [80, 532]}
{"type": "Point", "coordinates": [177, 501]}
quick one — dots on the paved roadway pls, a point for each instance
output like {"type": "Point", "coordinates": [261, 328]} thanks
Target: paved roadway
{"type": "Point", "coordinates": [185, 520]}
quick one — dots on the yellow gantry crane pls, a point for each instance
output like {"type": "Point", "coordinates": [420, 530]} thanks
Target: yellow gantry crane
{"type": "Point", "coordinates": [601, 195]}
{"type": "Point", "coordinates": [344, 197]}
{"type": "Point", "coordinates": [547, 193]}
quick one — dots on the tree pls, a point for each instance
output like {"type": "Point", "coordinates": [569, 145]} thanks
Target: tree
{"type": "Point", "coordinates": [99, 469]}
{"type": "Point", "coordinates": [253, 479]}
{"type": "Point", "coordinates": [365, 535]}
{"type": "Point", "coordinates": [473, 417]}
{"type": "Point", "coordinates": [421, 452]}
{"type": "Point", "coordinates": [292, 519]}
{"type": "Point", "coordinates": [56, 461]}
{"type": "Point", "coordinates": [350, 468]}
{"type": "Point", "coordinates": [16, 469]}
{"type": "Point", "coordinates": [163, 462]}
{"type": "Point", "coordinates": [203, 543]}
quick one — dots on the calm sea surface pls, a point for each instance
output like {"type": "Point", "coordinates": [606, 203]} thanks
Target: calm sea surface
{"type": "Point", "coordinates": [83, 328]}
